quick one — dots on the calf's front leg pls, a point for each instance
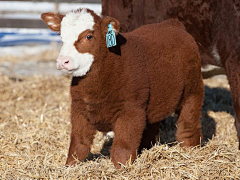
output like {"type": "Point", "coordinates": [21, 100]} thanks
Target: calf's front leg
{"type": "Point", "coordinates": [82, 136]}
{"type": "Point", "coordinates": [128, 131]}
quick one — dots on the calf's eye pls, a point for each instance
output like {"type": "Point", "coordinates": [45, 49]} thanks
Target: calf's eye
{"type": "Point", "coordinates": [89, 37]}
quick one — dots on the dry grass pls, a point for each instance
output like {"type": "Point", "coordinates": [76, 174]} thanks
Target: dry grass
{"type": "Point", "coordinates": [35, 128]}
{"type": "Point", "coordinates": [44, 55]}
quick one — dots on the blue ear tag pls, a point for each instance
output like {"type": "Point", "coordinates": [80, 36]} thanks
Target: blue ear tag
{"type": "Point", "coordinates": [111, 37]}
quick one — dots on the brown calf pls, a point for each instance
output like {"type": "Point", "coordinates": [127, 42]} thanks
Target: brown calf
{"type": "Point", "coordinates": [152, 72]}
{"type": "Point", "coordinates": [215, 25]}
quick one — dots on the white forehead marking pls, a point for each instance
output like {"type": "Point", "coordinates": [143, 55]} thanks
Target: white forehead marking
{"type": "Point", "coordinates": [72, 25]}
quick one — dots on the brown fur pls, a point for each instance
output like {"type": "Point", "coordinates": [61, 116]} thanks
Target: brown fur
{"type": "Point", "coordinates": [53, 18]}
{"type": "Point", "coordinates": [157, 73]}
{"type": "Point", "coordinates": [212, 23]}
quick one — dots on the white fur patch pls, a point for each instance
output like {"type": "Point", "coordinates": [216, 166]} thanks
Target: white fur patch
{"type": "Point", "coordinates": [216, 54]}
{"type": "Point", "coordinates": [50, 23]}
{"type": "Point", "coordinates": [72, 25]}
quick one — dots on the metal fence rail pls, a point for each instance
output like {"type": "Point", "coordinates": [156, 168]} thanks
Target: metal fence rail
{"type": "Point", "coordinates": [61, 1]}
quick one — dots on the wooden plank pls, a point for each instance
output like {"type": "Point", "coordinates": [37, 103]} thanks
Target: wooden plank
{"type": "Point", "coordinates": [35, 23]}
{"type": "Point", "coordinates": [66, 1]}
{"type": "Point", "coordinates": [22, 23]}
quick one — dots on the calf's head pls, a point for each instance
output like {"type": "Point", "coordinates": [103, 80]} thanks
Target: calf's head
{"type": "Point", "coordinates": [83, 38]}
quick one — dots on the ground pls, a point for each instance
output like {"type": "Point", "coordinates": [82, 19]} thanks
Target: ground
{"type": "Point", "coordinates": [35, 131]}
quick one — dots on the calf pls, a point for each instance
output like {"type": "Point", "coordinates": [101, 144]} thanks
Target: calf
{"type": "Point", "coordinates": [152, 72]}
{"type": "Point", "coordinates": [215, 25]}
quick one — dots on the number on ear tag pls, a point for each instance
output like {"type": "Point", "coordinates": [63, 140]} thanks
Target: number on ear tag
{"type": "Point", "coordinates": [111, 37]}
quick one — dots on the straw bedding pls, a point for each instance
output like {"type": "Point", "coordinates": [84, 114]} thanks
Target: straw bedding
{"type": "Point", "coordinates": [35, 128]}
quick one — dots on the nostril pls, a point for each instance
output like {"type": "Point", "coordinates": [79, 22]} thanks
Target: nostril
{"type": "Point", "coordinates": [66, 62]}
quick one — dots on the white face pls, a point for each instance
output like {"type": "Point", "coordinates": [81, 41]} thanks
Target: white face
{"type": "Point", "coordinates": [72, 25]}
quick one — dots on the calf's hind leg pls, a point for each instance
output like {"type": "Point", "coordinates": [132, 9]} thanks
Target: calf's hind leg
{"type": "Point", "coordinates": [189, 123]}
{"type": "Point", "coordinates": [232, 68]}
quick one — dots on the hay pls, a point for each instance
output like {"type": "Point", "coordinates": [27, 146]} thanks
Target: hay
{"type": "Point", "coordinates": [35, 128]}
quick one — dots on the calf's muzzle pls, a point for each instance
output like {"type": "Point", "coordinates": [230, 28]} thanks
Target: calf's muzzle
{"type": "Point", "coordinates": [64, 62]}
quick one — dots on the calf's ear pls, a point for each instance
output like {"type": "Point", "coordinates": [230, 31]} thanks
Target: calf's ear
{"type": "Point", "coordinates": [52, 20]}
{"type": "Point", "coordinates": [107, 20]}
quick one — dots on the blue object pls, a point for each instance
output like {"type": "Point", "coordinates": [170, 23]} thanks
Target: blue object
{"type": "Point", "coordinates": [110, 37]}
{"type": "Point", "coordinates": [16, 37]}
